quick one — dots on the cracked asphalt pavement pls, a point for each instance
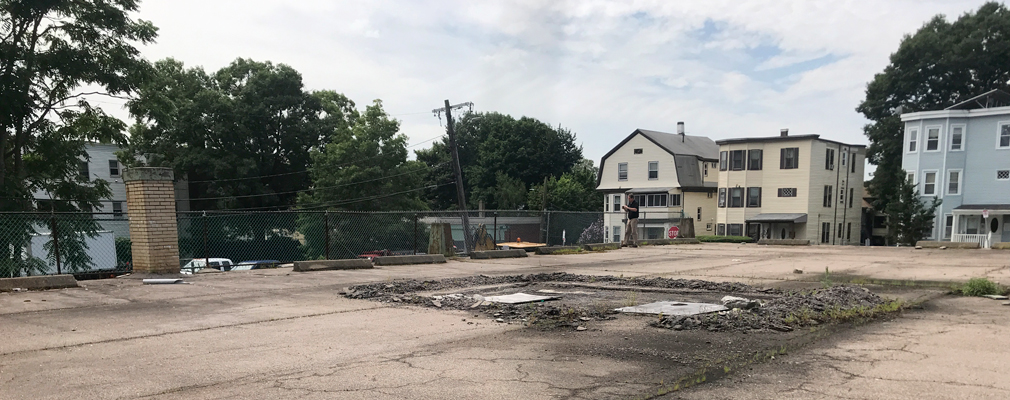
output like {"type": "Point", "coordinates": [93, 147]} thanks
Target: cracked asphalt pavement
{"type": "Point", "coordinates": [279, 334]}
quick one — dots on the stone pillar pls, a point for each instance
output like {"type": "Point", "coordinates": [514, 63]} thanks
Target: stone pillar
{"type": "Point", "coordinates": [150, 203]}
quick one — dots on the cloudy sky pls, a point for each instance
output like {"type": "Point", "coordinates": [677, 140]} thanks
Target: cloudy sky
{"type": "Point", "coordinates": [600, 68]}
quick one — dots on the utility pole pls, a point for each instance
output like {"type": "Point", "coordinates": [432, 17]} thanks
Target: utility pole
{"type": "Point", "coordinates": [457, 171]}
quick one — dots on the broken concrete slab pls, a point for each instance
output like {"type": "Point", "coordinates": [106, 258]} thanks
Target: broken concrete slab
{"type": "Point", "coordinates": [996, 297]}
{"type": "Point", "coordinates": [673, 308]}
{"type": "Point", "coordinates": [519, 298]}
{"type": "Point", "coordinates": [38, 282]}
{"type": "Point", "coordinates": [489, 254]}
{"type": "Point", "coordinates": [739, 302]}
{"type": "Point", "coordinates": [784, 242]}
{"type": "Point", "coordinates": [664, 242]}
{"type": "Point", "coordinates": [329, 265]}
{"type": "Point", "coordinates": [410, 259]}
{"type": "Point", "coordinates": [601, 246]}
{"type": "Point", "coordinates": [931, 244]}
{"type": "Point", "coordinates": [162, 281]}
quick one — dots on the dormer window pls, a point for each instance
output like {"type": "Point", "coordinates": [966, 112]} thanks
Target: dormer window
{"type": "Point", "coordinates": [638, 151]}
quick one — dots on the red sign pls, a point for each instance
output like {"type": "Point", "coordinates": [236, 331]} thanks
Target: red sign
{"type": "Point", "coordinates": [673, 232]}
{"type": "Point", "coordinates": [985, 214]}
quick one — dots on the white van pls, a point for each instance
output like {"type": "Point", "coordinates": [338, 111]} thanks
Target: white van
{"type": "Point", "coordinates": [196, 264]}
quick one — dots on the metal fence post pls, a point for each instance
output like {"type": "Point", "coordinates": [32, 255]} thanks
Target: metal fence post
{"type": "Point", "coordinates": [547, 234]}
{"type": "Point", "coordinates": [415, 234]}
{"type": "Point", "coordinates": [56, 243]}
{"type": "Point", "coordinates": [326, 233]}
{"type": "Point", "coordinates": [206, 250]}
{"type": "Point", "coordinates": [494, 237]}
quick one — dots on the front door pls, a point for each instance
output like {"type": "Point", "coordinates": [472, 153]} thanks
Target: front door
{"type": "Point", "coordinates": [996, 226]}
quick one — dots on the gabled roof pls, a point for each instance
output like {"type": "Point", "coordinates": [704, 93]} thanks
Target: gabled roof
{"type": "Point", "coordinates": [990, 99]}
{"type": "Point", "coordinates": [675, 144]}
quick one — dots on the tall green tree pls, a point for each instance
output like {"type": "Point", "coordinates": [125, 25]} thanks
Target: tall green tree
{"type": "Point", "coordinates": [909, 218]}
{"type": "Point", "coordinates": [54, 53]}
{"type": "Point", "coordinates": [241, 136]}
{"type": "Point", "coordinates": [573, 191]}
{"type": "Point", "coordinates": [942, 64]}
{"type": "Point", "coordinates": [499, 153]}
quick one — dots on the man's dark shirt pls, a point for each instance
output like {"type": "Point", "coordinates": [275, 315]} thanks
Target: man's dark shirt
{"type": "Point", "coordinates": [632, 214]}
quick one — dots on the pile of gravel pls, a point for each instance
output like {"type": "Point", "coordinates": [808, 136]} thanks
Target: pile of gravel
{"type": "Point", "coordinates": [779, 314]}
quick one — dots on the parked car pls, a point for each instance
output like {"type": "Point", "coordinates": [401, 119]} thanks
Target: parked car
{"type": "Point", "coordinates": [375, 253]}
{"type": "Point", "coordinates": [196, 264]}
{"type": "Point", "coordinates": [255, 264]}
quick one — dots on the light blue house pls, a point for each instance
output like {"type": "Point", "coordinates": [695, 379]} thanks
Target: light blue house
{"type": "Point", "coordinates": [961, 155]}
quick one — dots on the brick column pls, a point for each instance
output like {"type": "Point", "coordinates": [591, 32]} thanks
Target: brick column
{"type": "Point", "coordinates": [150, 203]}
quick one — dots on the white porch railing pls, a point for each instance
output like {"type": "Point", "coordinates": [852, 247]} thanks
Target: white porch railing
{"type": "Point", "coordinates": [982, 239]}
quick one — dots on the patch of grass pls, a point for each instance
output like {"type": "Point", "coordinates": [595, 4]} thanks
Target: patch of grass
{"type": "Point", "coordinates": [981, 287]}
{"type": "Point", "coordinates": [725, 239]}
{"type": "Point", "coordinates": [568, 251]}
{"type": "Point", "coordinates": [631, 299]}
{"type": "Point", "coordinates": [826, 282]}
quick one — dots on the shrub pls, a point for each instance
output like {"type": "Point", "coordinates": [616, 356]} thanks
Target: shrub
{"type": "Point", "coordinates": [725, 239]}
{"type": "Point", "coordinates": [980, 287]}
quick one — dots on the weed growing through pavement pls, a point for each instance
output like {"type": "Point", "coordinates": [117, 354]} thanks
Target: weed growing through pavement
{"type": "Point", "coordinates": [826, 282]}
{"type": "Point", "coordinates": [631, 299]}
{"type": "Point", "coordinates": [981, 287]}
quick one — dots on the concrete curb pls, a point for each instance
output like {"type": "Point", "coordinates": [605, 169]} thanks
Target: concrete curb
{"type": "Point", "coordinates": [329, 265]}
{"type": "Point", "coordinates": [555, 249]}
{"type": "Point", "coordinates": [783, 242]}
{"type": "Point", "coordinates": [410, 260]}
{"type": "Point", "coordinates": [488, 254]}
{"type": "Point", "coordinates": [1000, 246]}
{"type": "Point", "coordinates": [664, 242]}
{"type": "Point", "coordinates": [38, 282]}
{"type": "Point", "coordinates": [601, 246]}
{"type": "Point", "coordinates": [930, 244]}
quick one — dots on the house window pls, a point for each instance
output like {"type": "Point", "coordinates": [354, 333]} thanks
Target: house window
{"type": "Point", "coordinates": [879, 222]}
{"type": "Point", "coordinates": [913, 139]}
{"type": "Point", "coordinates": [841, 196]}
{"type": "Point", "coordinates": [853, 163]}
{"type": "Point", "coordinates": [954, 182]}
{"type": "Point", "coordinates": [734, 230]}
{"type": "Point", "coordinates": [829, 159]}
{"type": "Point", "coordinates": [708, 226]}
{"type": "Point", "coordinates": [722, 197]}
{"type": "Point", "coordinates": [699, 214]}
{"type": "Point", "coordinates": [674, 200]}
{"type": "Point", "coordinates": [1002, 175]}
{"type": "Point", "coordinates": [617, 202]}
{"type": "Point", "coordinates": [825, 232]}
{"type": "Point", "coordinates": [929, 184]}
{"type": "Point", "coordinates": [653, 200]}
{"type": "Point", "coordinates": [114, 168]}
{"type": "Point", "coordinates": [827, 195]}
{"type": "Point", "coordinates": [82, 170]}
{"type": "Point", "coordinates": [709, 194]}
{"type": "Point", "coordinates": [972, 224]}
{"type": "Point", "coordinates": [653, 169]}
{"type": "Point", "coordinates": [789, 158]}
{"type": "Point", "coordinates": [736, 160]}
{"type": "Point", "coordinates": [845, 156]}
{"type": "Point", "coordinates": [1004, 135]}
{"type": "Point", "coordinates": [753, 197]}
{"type": "Point", "coordinates": [721, 230]}
{"type": "Point", "coordinates": [852, 196]}
{"type": "Point", "coordinates": [736, 197]}
{"type": "Point", "coordinates": [722, 160]}
{"type": "Point", "coordinates": [117, 209]}
{"type": "Point", "coordinates": [932, 138]}
{"type": "Point", "coordinates": [622, 171]}
{"type": "Point", "coordinates": [948, 226]}
{"type": "Point", "coordinates": [848, 231]}
{"type": "Point", "coordinates": [638, 151]}
{"type": "Point", "coordinates": [704, 167]}
{"type": "Point", "coordinates": [911, 177]}
{"type": "Point", "coordinates": [606, 233]}
{"type": "Point", "coordinates": [787, 192]}
{"type": "Point", "coordinates": [754, 160]}
{"type": "Point", "coordinates": [839, 230]}
{"type": "Point", "coordinates": [617, 233]}
{"type": "Point", "coordinates": [956, 138]}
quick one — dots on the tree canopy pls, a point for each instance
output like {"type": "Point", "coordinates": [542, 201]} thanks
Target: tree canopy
{"type": "Point", "coordinates": [241, 136]}
{"type": "Point", "coordinates": [942, 64]}
{"type": "Point", "coordinates": [501, 158]}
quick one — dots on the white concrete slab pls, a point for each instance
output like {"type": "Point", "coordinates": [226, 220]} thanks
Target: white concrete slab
{"type": "Point", "coordinates": [519, 298]}
{"type": "Point", "coordinates": [673, 308]}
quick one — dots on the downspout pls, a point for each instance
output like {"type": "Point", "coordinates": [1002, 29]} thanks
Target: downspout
{"type": "Point", "coordinates": [834, 218]}
{"type": "Point", "coordinates": [848, 183]}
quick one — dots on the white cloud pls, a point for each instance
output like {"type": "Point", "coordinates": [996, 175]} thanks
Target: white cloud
{"type": "Point", "coordinates": [601, 68]}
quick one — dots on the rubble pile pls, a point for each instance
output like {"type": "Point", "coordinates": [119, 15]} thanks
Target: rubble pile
{"type": "Point", "coordinates": [781, 314]}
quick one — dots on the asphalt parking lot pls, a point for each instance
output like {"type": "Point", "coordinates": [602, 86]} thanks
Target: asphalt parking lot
{"type": "Point", "coordinates": [281, 334]}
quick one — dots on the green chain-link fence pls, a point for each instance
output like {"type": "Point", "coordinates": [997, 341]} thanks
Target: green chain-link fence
{"type": "Point", "coordinates": [88, 245]}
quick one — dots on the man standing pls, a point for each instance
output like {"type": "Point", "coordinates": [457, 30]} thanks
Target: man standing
{"type": "Point", "coordinates": [631, 229]}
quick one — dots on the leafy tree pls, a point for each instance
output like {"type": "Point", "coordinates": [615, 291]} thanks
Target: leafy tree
{"type": "Point", "coordinates": [942, 64]}
{"type": "Point", "coordinates": [366, 170]}
{"type": "Point", "coordinates": [53, 54]}
{"type": "Point", "coordinates": [909, 219]}
{"type": "Point", "coordinates": [573, 191]}
{"type": "Point", "coordinates": [241, 136]}
{"type": "Point", "coordinates": [495, 152]}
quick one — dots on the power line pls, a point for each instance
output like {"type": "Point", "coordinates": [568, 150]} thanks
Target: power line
{"type": "Point", "coordinates": [308, 169]}
{"type": "Point", "coordinates": [307, 190]}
